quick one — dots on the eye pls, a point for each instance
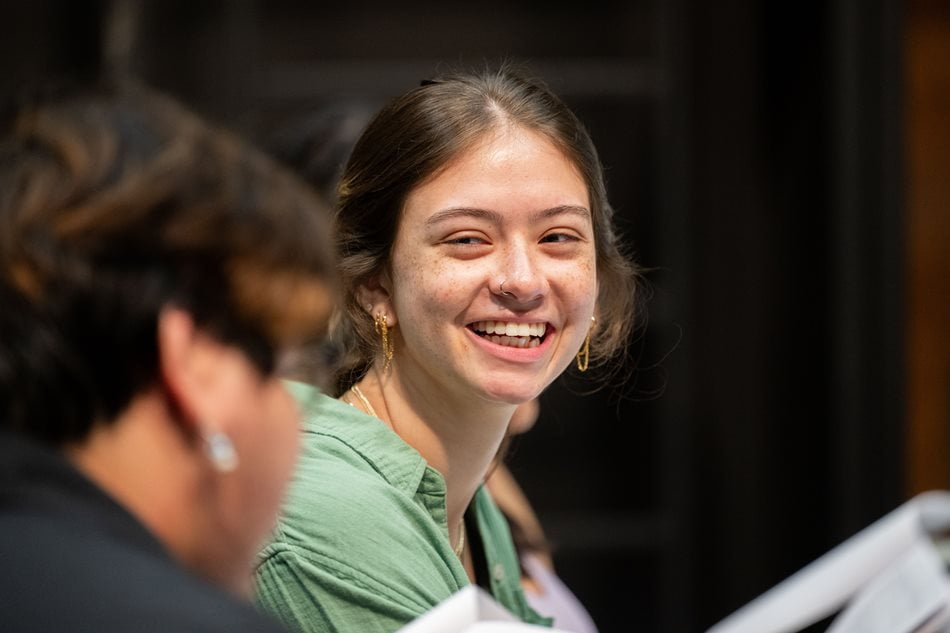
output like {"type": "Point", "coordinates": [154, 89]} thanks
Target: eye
{"type": "Point", "coordinates": [466, 246]}
{"type": "Point", "coordinates": [466, 240]}
{"type": "Point", "coordinates": [553, 238]}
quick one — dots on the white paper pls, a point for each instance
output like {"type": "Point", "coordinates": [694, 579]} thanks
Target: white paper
{"type": "Point", "coordinates": [902, 598]}
{"type": "Point", "coordinates": [878, 552]}
{"type": "Point", "coordinates": [471, 610]}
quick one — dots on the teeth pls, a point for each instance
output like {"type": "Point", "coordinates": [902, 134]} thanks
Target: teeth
{"type": "Point", "coordinates": [512, 334]}
{"type": "Point", "coordinates": [515, 341]}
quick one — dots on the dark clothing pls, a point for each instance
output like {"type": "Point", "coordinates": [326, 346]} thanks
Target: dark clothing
{"type": "Point", "coordinates": [73, 560]}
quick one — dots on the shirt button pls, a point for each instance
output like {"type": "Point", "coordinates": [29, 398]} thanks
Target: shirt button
{"type": "Point", "coordinates": [498, 571]}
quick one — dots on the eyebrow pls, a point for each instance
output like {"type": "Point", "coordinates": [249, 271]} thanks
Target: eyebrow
{"type": "Point", "coordinates": [497, 218]}
{"type": "Point", "coordinates": [570, 209]}
{"type": "Point", "coordinates": [463, 212]}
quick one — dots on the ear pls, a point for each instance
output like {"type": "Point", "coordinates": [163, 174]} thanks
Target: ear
{"type": "Point", "coordinates": [375, 296]}
{"type": "Point", "coordinates": [187, 359]}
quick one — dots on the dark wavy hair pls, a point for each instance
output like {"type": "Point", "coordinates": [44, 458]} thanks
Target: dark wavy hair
{"type": "Point", "coordinates": [115, 203]}
{"type": "Point", "coordinates": [416, 135]}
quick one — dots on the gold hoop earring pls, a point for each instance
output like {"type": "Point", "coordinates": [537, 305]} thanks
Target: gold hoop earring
{"type": "Point", "coordinates": [383, 328]}
{"type": "Point", "coordinates": [583, 356]}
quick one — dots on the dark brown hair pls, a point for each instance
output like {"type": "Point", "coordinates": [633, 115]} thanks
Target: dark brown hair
{"type": "Point", "coordinates": [409, 142]}
{"type": "Point", "coordinates": [115, 204]}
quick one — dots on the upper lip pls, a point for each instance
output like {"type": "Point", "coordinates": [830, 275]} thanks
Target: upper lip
{"type": "Point", "coordinates": [511, 319]}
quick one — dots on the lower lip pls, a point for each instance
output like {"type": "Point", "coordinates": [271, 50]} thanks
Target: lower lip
{"type": "Point", "coordinates": [511, 353]}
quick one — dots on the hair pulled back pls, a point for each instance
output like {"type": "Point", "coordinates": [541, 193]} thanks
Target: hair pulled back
{"type": "Point", "coordinates": [418, 134]}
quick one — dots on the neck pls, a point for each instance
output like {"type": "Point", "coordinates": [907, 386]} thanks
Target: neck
{"type": "Point", "coordinates": [457, 436]}
{"type": "Point", "coordinates": [143, 462]}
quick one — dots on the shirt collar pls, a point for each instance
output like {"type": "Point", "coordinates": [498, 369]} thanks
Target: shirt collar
{"type": "Point", "coordinates": [398, 463]}
{"type": "Point", "coordinates": [39, 480]}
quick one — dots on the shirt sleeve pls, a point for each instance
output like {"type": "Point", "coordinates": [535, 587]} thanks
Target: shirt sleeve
{"type": "Point", "coordinates": [324, 596]}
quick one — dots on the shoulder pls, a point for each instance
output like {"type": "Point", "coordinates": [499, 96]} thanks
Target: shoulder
{"type": "Point", "coordinates": [196, 606]}
{"type": "Point", "coordinates": [343, 517]}
{"type": "Point", "coordinates": [55, 578]}
{"type": "Point", "coordinates": [357, 537]}
{"type": "Point", "coordinates": [355, 479]}
{"type": "Point", "coordinates": [354, 558]}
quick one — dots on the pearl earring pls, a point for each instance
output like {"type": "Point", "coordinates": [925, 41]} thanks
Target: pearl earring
{"type": "Point", "coordinates": [221, 452]}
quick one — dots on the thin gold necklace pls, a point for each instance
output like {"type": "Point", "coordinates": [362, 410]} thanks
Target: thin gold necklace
{"type": "Point", "coordinates": [363, 399]}
{"type": "Point", "coordinates": [460, 546]}
{"type": "Point", "coordinates": [458, 549]}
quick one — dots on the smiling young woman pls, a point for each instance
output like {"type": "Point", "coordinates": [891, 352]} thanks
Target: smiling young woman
{"type": "Point", "coordinates": [478, 262]}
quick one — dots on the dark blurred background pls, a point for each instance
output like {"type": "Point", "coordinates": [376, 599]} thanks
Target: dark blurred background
{"type": "Point", "coordinates": [782, 171]}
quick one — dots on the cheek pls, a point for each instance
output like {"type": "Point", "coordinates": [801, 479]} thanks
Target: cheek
{"type": "Point", "coordinates": [428, 287]}
{"type": "Point", "coordinates": [280, 436]}
{"type": "Point", "coordinates": [265, 430]}
{"type": "Point", "coordinates": [269, 451]}
{"type": "Point", "coordinates": [588, 280]}
{"type": "Point", "coordinates": [577, 283]}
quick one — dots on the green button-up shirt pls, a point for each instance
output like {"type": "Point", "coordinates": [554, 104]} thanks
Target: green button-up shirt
{"type": "Point", "coordinates": [362, 541]}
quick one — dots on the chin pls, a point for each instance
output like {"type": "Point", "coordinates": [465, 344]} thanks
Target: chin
{"type": "Point", "coordinates": [508, 394]}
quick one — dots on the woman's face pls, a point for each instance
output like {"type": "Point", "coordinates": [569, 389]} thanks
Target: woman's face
{"type": "Point", "coordinates": [512, 210]}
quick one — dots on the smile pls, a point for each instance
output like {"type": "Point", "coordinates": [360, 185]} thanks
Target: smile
{"type": "Point", "coordinates": [510, 334]}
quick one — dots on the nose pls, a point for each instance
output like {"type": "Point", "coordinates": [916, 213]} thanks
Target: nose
{"type": "Point", "coordinates": [521, 278]}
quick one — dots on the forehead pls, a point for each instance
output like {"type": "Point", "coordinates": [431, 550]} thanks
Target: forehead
{"type": "Point", "coordinates": [508, 170]}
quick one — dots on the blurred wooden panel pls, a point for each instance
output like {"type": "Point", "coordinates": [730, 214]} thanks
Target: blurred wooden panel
{"type": "Point", "coordinates": [927, 112]}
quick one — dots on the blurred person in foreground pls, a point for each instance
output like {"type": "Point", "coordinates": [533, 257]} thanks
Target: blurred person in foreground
{"type": "Point", "coordinates": [478, 262]}
{"type": "Point", "coordinates": [153, 273]}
